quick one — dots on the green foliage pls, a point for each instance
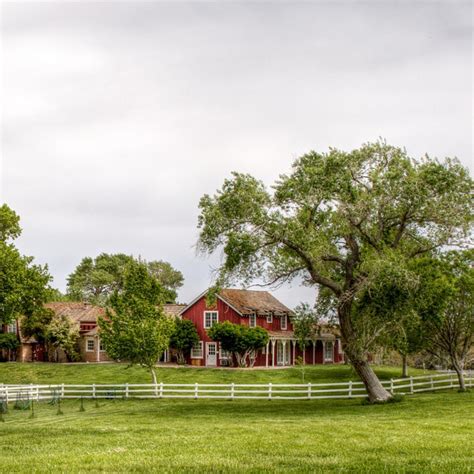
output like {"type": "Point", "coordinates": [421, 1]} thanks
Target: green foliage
{"type": "Point", "coordinates": [135, 329]}
{"type": "Point", "coordinates": [345, 222]}
{"type": "Point", "coordinates": [9, 341]}
{"type": "Point", "coordinates": [62, 333]}
{"type": "Point", "coordinates": [95, 280]}
{"type": "Point", "coordinates": [305, 325]}
{"type": "Point", "coordinates": [242, 341]}
{"type": "Point", "coordinates": [24, 286]}
{"type": "Point", "coordinates": [183, 338]}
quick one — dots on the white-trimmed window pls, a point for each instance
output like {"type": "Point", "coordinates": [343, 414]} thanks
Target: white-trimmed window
{"type": "Point", "coordinates": [329, 351]}
{"type": "Point", "coordinates": [197, 350]}
{"type": "Point", "coordinates": [210, 318]}
{"type": "Point", "coordinates": [270, 318]}
{"type": "Point", "coordinates": [11, 328]}
{"type": "Point", "coordinates": [90, 344]}
{"type": "Point", "coordinates": [223, 354]}
{"type": "Point", "coordinates": [284, 322]}
{"type": "Point", "coordinates": [252, 320]}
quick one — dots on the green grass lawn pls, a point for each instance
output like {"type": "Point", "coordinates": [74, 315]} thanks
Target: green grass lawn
{"type": "Point", "coordinates": [119, 373]}
{"type": "Point", "coordinates": [423, 433]}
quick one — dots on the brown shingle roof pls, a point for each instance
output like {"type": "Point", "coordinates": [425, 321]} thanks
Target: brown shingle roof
{"type": "Point", "coordinates": [173, 309]}
{"type": "Point", "coordinates": [252, 301]}
{"type": "Point", "coordinates": [77, 311]}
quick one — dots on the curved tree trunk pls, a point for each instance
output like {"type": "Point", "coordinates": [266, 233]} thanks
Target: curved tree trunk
{"type": "Point", "coordinates": [375, 390]}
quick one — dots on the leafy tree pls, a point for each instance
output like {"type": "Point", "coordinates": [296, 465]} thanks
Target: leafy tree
{"type": "Point", "coordinates": [449, 329]}
{"type": "Point", "coordinates": [24, 286]}
{"type": "Point", "coordinates": [95, 280]}
{"type": "Point", "coordinates": [8, 343]}
{"type": "Point", "coordinates": [184, 337]}
{"type": "Point", "coordinates": [342, 222]}
{"type": "Point", "coordinates": [135, 328]}
{"type": "Point", "coordinates": [63, 334]}
{"type": "Point", "coordinates": [36, 325]}
{"type": "Point", "coordinates": [305, 326]}
{"type": "Point", "coordinates": [242, 341]}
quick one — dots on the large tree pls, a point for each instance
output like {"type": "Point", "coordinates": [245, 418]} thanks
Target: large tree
{"type": "Point", "coordinates": [340, 221]}
{"type": "Point", "coordinates": [24, 286]}
{"type": "Point", "coordinates": [96, 279]}
{"type": "Point", "coordinates": [184, 337]}
{"type": "Point", "coordinates": [135, 328]}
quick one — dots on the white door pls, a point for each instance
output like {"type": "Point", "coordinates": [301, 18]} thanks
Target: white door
{"type": "Point", "coordinates": [211, 353]}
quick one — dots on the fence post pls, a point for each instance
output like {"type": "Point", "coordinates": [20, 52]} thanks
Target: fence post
{"type": "Point", "coordinates": [93, 390]}
{"type": "Point", "coordinates": [196, 388]}
{"type": "Point", "coordinates": [309, 390]}
{"type": "Point", "coordinates": [391, 386]}
{"type": "Point", "coordinates": [232, 391]}
{"type": "Point", "coordinates": [126, 390]}
{"type": "Point", "coordinates": [62, 390]}
{"type": "Point", "coordinates": [432, 383]}
{"type": "Point", "coordinates": [269, 390]}
{"type": "Point", "coordinates": [37, 393]}
{"type": "Point", "coordinates": [411, 384]}
{"type": "Point", "coordinates": [30, 394]}
{"type": "Point", "coordinates": [350, 388]}
{"type": "Point", "coordinates": [161, 389]}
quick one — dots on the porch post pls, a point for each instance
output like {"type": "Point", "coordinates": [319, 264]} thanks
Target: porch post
{"type": "Point", "coordinates": [266, 354]}
{"type": "Point", "coordinates": [293, 342]}
{"type": "Point", "coordinates": [98, 349]}
{"type": "Point", "coordinates": [324, 352]}
{"type": "Point", "coordinates": [284, 351]}
{"type": "Point", "coordinates": [273, 352]}
{"type": "Point", "coordinates": [314, 352]}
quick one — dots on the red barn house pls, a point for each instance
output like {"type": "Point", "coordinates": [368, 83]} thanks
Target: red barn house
{"type": "Point", "coordinates": [255, 308]}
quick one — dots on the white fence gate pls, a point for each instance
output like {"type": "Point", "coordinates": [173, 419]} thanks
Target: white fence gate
{"type": "Point", "coordinates": [308, 391]}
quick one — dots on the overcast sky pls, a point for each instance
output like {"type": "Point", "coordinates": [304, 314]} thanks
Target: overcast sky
{"type": "Point", "coordinates": [118, 117]}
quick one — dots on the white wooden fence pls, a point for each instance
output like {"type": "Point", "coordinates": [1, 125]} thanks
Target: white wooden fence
{"type": "Point", "coordinates": [270, 391]}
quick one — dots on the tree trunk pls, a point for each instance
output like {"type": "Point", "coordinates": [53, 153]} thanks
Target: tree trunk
{"type": "Point", "coordinates": [153, 375]}
{"type": "Point", "coordinates": [404, 366]}
{"type": "Point", "coordinates": [375, 390]}
{"type": "Point", "coordinates": [459, 368]}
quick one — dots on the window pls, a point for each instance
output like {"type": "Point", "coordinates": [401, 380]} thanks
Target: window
{"type": "Point", "coordinates": [11, 328]}
{"type": "Point", "coordinates": [210, 318]}
{"type": "Point", "coordinates": [90, 345]}
{"type": "Point", "coordinates": [269, 318]}
{"type": "Point", "coordinates": [284, 322]}
{"type": "Point", "coordinates": [329, 350]}
{"type": "Point", "coordinates": [225, 354]}
{"type": "Point", "coordinates": [101, 346]}
{"type": "Point", "coordinates": [197, 351]}
{"type": "Point", "coordinates": [252, 320]}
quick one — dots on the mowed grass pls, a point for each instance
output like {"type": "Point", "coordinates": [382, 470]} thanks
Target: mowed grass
{"type": "Point", "coordinates": [45, 373]}
{"type": "Point", "coordinates": [430, 432]}
{"type": "Point", "coordinates": [423, 433]}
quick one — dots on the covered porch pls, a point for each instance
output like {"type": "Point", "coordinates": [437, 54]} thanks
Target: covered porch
{"type": "Point", "coordinates": [283, 350]}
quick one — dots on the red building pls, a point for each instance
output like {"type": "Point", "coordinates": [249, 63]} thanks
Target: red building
{"type": "Point", "coordinates": [255, 308]}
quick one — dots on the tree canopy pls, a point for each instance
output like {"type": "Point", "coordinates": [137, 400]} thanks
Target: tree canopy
{"type": "Point", "coordinates": [96, 279]}
{"type": "Point", "coordinates": [24, 286]}
{"type": "Point", "coordinates": [183, 338]}
{"type": "Point", "coordinates": [135, 328]}
{"type": "Point", "coordinates": [343, 222]}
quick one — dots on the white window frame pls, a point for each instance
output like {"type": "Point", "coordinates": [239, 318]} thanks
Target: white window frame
{"type": "Point", "coordinates": [270, 318]}
{"type": "Point", "coordinates": [11, 328]}
{"type": "Point", "coordinates": [225, 355]}
{"type": "Point", "coordinates": [326, 345]}
{"type": "Point", "coordinates": [252, 320]}
{"type": "Point", "coordinates": [89, 339]}
{"type": "Point", "coordinates": [212, 322]}
{"type": "Point", "coordinates": [201, 351]}
{"type": "Point", "coordinates": [284, 327]}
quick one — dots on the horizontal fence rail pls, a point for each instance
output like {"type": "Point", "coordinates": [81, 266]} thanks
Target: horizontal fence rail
{"type": "Point", "coordinates": [269, 391]}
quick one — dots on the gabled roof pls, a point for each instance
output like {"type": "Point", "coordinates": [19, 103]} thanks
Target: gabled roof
{"type": "Point", "coordinates": [252, 301]}
{"type": "Point", "coordinates": [76, 311]}
{"type": "Point", "coordinates": [247, 302]}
